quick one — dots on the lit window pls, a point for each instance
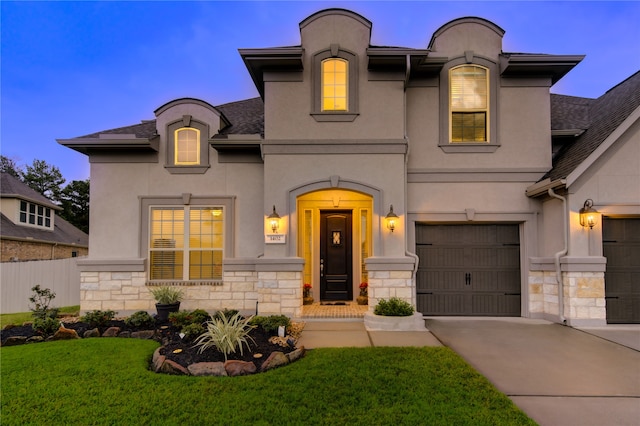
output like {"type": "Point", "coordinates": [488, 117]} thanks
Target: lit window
{"type": "Point", "coordinates": [36, 215]}
{"type": "Point", "coordinates": [187, 149]}
{"type": "Point", "coordinates": [334, 85]}
{"type": "Point", "coordinates": [186, 243]}
{"type": "Point", "coordinates": [469, 103]}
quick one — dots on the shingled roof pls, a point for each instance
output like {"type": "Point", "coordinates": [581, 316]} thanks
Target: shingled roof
{"type": "Point", "coordinates": [246, 117]}
{"type": "Point", "coordinates": [600, 117]}
{"type": "Point", "coordinates": [63, 232]}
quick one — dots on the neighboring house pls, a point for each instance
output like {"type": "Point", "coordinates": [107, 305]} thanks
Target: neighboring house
{"type": "Point", "coordinates": [30, 228]}
{"type": "Point", "coordinates": [429, 173]}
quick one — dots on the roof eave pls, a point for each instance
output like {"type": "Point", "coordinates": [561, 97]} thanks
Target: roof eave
{"type": "Point", "coordinates": [110, 143]}
{"type": "Point", "coordinates": [258, 61]}
{"type": "Point", "coordinates": [396, 59]}
{"type": "Point", "coordinates": [542, 188]}
{"type": "Point", "coordinates": [525, 65]}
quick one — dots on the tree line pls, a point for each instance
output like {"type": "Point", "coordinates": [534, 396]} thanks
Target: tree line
{"type": "Point", "coordinates": [46, 179]}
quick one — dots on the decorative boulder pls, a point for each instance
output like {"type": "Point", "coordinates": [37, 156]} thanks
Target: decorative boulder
{"type": "Point", "coordinates": [65, 334]}
{"type": "Point", "coordinates": [207, 369]}
{"type": "Point", "coordinates": [275, 360]}
{"type": "Point", "coordinates": [239, 368]}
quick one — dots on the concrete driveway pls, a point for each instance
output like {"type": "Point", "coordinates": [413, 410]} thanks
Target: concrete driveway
{"type": "Point", "coordinates": [556, 374]}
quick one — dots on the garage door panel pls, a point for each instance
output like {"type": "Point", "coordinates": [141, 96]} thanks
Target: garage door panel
{"type": "Point", "coordinates": [495, 304]}
{"type": "Point", "coordinates": [446, 257]}
{"type": "Point", "coordinates": [440, 280]}
{"type": "Point", "coordinates": [508, 257]}
{"type": "Point", "coordinates": [443, 304]}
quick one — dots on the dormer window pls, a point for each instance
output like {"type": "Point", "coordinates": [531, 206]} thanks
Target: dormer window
{"type": "Point", "coordinates": [334, 85]}
{"type": "Point", "coordinates": [469, 103]}
{"type": "Point", "coordinates": [187, 149]}
{"type": "Point", "coordinates": [36, 215]}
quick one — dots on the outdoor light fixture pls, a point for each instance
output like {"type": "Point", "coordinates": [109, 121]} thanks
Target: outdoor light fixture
{"type": "Point", "coordinates": [274, 220]}
{"type": "Point", "coordinates": [216, 212]}
{"type": "Point", "coordinates": [588, 215]}
{"type": "Point", "coordinates": [391, 219]}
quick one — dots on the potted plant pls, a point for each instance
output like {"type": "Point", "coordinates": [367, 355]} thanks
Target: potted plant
{"type": "Point", "coordinates": [394, 314]}
{"type": "Point", "coordinates": [363, 298]}
{"type": "Point", "coordinates": [307, 298]}
{"type": "Point", "coordinates": [167, 301]}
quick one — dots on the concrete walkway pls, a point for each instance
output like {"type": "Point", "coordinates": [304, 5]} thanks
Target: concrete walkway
{"type": "Point", "coordinates": [559, 376]}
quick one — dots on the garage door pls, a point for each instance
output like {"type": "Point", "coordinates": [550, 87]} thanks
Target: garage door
{"type": "Point", "coordinates": [621, 247]}
{"type": "Point", "coordinates": [468, 270]}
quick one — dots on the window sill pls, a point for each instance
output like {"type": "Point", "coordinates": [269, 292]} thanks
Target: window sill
{"type": "Point", "coordinates": [176, 170]}
{"type": "Point", "coordinates": [469, 148]}
{"type": "Point", "coordinates": [334, 116]}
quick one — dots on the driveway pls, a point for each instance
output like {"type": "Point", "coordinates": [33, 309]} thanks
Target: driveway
{"type": "Point", "coordinates": [556, 374]}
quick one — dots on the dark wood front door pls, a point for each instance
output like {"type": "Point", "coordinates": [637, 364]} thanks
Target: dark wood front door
{"type": "Point", "coordinates": [335, 255]}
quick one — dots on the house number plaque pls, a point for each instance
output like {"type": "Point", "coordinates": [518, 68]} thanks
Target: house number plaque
{"type": "Point", "coordinates": [275, 238]}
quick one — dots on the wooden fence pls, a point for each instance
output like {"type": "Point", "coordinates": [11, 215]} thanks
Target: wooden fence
{"type": "Point", "coordinates": [16, 280]}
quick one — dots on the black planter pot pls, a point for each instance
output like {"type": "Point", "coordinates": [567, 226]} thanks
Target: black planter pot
{"type": "Point", "coordinates": [165, 309]}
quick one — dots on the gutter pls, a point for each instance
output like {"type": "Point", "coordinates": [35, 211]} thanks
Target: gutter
{"type": "Point", "coordinates": [559, 254]}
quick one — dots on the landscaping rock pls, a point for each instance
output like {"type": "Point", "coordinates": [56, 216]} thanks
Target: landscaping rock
{"type": "Point", "coordinates": [207, 369]}
{"type": "Point", "coordinates": [15, 341]}
{"type": "Point", "coordinates": [239, 368]}
{"type": "Point", "coordinates": [125, 334]}
{"type": "Point", "coordinates": [297, 354]}
{"type": "Point", "coordinates": [172, 367]}
{"type": "Point", "coordinates": [65, 334]}
{"type": "Point", "coordinates": [275, 360]}
{"type": "Point", "coordinates": [111, 332]}
{"type": "Point", "coordinates": [91, 333]}
{"type": "Point", "coordinates": [144, 334]}
{"type": "Point", "coordinates": [35, 339]}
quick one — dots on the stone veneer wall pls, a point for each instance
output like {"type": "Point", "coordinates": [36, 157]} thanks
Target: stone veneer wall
{"type": "Point", "coordinates": [280, 293]}
{"type": "Point", "coordinates": [584, 297]}
{"type": "Point", "coordinates": [391, 277]}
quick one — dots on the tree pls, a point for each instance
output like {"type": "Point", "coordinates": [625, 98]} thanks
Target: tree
{"type": "Point", "coordinates": [9, 165]}
{"type": "Point", "coordinates": [74, 200]}
{"type": "Point", "coordinates": [44, 178]}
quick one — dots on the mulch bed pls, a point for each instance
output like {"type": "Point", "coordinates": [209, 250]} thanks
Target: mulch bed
{"type": "Point", "coordinates": [175, 348]}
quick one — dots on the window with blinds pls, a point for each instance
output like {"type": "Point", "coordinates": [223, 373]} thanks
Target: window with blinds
{"type": "Point", "coordinates": [334, 85]}
{"type": "Point", "coordinates": [187, 149]}
{"type": "Point", "coordinates": [469, 103]}
{"type": "Point", "coordinates": [186, 243]}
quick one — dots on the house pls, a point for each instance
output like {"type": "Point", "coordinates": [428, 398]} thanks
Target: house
{"type": "Point", "coordinates": [447, 176]}
{"type": "Point", "coordinates": [30, 228]}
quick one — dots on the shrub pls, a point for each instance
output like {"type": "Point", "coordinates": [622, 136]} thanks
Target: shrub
{"type": "Point", "coordinates": [395, 307]}
{"type": "Point", "coordinates": [191, 331]}
{"type": "Point", "coordinates": [140, 319]}
{"type": "Point", "coordinates": [184, 318]}
{"type": "Point", "coordinates": [46, 326]}
{"type": "Point", "coordinates": [225, 313]}
{"type": "Point", "coordinates": [98, 318]}
{"type": "Point", "coordinates": [167, 295]}
{"type": "Point", "coordinates": [41, 300]}
{"type": "Point", "coordinates": [226, 334]}
{"type": "Point", "coordinates": [271, 323]}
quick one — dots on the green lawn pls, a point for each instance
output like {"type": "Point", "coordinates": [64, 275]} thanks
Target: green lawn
{"type": "Point", "coordinates": [106, 381]}
{"type": "Point", "coordinates": [22, 317]}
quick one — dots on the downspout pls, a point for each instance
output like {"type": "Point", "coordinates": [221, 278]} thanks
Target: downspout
{"type": "Point", "coordinates": [406, 161]}
{"type": "Point", "coordinates": [559, 254]}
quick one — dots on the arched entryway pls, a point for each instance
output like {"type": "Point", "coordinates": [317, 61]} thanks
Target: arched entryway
{"type": "Point", "coordinates": [334, 238]}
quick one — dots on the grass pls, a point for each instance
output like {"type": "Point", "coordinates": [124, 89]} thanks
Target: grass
{"type": "Point", "coordinates": [106, 381]}
{"type": "Point", "coordinates": [22, 317]}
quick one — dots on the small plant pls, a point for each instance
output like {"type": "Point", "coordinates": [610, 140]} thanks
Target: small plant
{"type": "Point", "coordinates": [41, 300]}
{"type": "Point", "coordinates": [98, 318]}
{"type": "Point", "coordinates": [167, 295]}
{"type": "Point", "coordinates": [184, 318]}
{"type": "Point", "coordinates": [46, 326]}
{"type": "Point", "coordinates": [140, 319]}
{"type": "Point", "coordinates": [364, 289]}
{"type": "Point", "coordinates": [271, 323]}
{"type": "Point", "coordinates": [306, 290]}
{"type": "Point", "coordinates": [228, 313]}
{"type": "Point", "coordinates": [395, 307]}
{"type": "Point", "coordinates": [226, 334]}
{"type": "Point", "coordinates": [191, 331]}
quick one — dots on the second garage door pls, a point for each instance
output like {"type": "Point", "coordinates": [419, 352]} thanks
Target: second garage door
{"type": "Point", "coordinates": [468, 270]}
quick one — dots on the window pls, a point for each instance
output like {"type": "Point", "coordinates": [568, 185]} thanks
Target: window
{"type": "Point", "coordinates": [187, 150]}
{"type": "Point", "coordinates": [186, 243]}
{"type": "Point", "coordinates": [36, 215]}
{"type": "Point", "coordinates": [334, 85]}
{"type": "Point", "coordinates": [469, 104]}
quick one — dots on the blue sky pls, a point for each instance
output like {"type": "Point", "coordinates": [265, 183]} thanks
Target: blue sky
{"type": "Point", "coordinates": [74, 68]}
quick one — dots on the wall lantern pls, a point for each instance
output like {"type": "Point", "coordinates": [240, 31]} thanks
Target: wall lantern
{"type": "Point", "coordinates": [274, 220]}
{"type": "Point", "coordinates": [391, 218]}
{"type": "Point", "coordinates": [588, 215]}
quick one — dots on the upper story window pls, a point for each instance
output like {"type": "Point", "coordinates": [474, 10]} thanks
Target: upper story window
{"type": "Point", "coordinates": [334, 85]}
{"type": "Point", "coordinates": [36, 215]}
{"type": "Point", "coordinates": [469, 103]}
{"type": "Point", "coordinates": [187, 149]}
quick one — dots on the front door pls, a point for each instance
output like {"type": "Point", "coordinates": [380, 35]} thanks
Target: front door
{"type": "Point", "coordinates": [335, 255]}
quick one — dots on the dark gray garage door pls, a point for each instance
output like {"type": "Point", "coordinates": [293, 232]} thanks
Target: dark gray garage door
{"type": "Point", "coordinates": [621, 247]}
{"type": "Point", "coordinates": [468, 270]}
